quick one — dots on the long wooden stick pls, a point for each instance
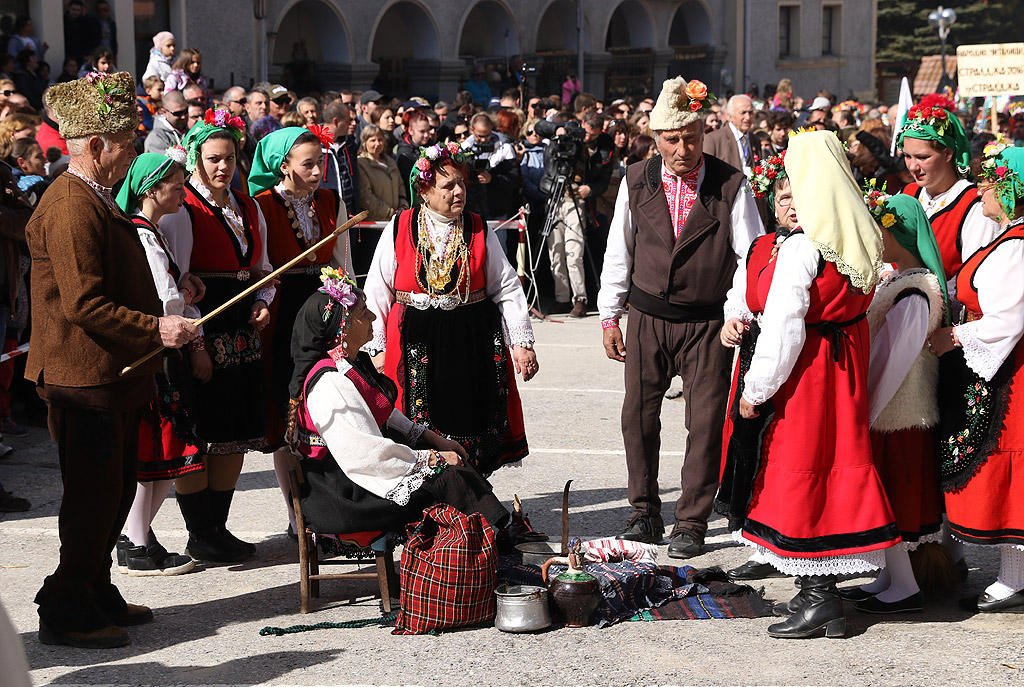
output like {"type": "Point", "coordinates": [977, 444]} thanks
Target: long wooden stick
{"type": "Point", "coordinates": [260, 284]}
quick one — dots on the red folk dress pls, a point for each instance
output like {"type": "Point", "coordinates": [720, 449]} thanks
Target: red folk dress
{"type": "Point", "coordinates": [452, 367]}
{"type": "Point", "coordinates": [989, 507]}
{"type": "Point", "coordinates": [297, 284]}
{"type": "Point", "coordinates": [817, 495]}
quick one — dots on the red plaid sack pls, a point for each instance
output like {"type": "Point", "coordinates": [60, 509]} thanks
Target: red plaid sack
{"type": "Point", "coordinates": [449, 572]}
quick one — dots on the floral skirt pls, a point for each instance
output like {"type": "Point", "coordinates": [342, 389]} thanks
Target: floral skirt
{"type": "Point", "coordinates": [455, 375]}
{"type": "Point", "coordinates": [168, 444]}
{"type": "Point", "coordinates": [230, 410]}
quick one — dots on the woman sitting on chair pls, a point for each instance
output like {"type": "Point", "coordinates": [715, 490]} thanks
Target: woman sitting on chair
{"type": "Point", "coordinates": [341, 417]}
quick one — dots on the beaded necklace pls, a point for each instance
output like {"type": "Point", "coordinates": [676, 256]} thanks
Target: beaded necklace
{"type": "Point", "coordinates": [302, 215]}
{"type": "Point", "coordinates": [439, 264]}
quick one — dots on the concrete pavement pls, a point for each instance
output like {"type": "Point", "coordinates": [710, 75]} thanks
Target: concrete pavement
{"type": "Point", "coordinates": [207, 622]}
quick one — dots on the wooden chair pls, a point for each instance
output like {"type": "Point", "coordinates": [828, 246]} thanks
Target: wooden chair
{"type": "Point", "coordinates": [375, 543]}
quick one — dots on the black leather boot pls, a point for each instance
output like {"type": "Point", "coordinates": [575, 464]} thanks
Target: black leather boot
{"type": "Point", "coordinates": [205, 542]}
{"type": "Point", "coordinates": [220, 506]}
{"type": "Point", "coordinates": [820, 611]}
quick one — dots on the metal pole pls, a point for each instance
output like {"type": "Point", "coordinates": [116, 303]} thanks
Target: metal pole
{"type": "Point", "coordinates": [579, 42]}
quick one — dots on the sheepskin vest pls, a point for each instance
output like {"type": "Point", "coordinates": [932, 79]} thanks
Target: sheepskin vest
{"type": "Point", "coordinates": [915, 404]}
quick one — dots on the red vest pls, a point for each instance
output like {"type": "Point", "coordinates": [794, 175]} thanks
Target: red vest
{"type": "Point", "coordinates": [947, 224]}
{"type": "Point", "coordinates": [282, 243]}
{"type": "Point", "coordinates": [214, 248]}
{"type": "Point", "coordinates": [966, 291]}
{"type": "Point", "coordinates": [409, 267]}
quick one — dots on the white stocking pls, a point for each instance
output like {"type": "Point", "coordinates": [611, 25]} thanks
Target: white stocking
{"type": "Point", "coordinates": [157, 495]}
{"type": "Point", "coordinates": [137, 526]}
{"type": "Point", "coordinates": [282, 462]}
{"type": "Point", "coordinates": [758, 557]}
{"type": "Point", "coordinates": [1011, 574]}
{"type": "Point", "coordinates": [901, 575]}
{"type": "Point", "coordinates": [880, 584]}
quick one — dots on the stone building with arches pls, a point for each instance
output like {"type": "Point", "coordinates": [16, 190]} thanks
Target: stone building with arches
{"type": "Point", "coordinates": [428, 47]}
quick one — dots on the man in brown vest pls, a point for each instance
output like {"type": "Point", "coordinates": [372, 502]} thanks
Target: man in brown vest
{"type": "Point", "coordinates": [682, 222]}
{"type": "Point", "coordinates": [94, 311]}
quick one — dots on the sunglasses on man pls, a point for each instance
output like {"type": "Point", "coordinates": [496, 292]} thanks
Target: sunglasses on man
{"type": "Point", "coordinates": [8, 92]}
{"type": "Point", "coordinates": [178, 113]}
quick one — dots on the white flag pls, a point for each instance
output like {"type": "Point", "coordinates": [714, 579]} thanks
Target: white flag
{"type": "Point", "coordinates": [906, 101]}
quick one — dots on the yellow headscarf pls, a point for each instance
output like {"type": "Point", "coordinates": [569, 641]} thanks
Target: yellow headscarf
{"type": "Point", "coordinates": [831, 208]}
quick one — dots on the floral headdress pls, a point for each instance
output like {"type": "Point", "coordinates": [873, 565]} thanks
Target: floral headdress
{"type": "Point", "coordinates": [107, 88]}
{"type": "Point", "coordinates": [178, 154]}
{"type": "Point", "coordinates": [430, 160]}
{"type": "Point", "coordinates": [322, 133]}
{"type": "Point", "coordinates": [699, 95]}
{"type": "Point", "coordinates": [1015, 108]}
{"type": "Point", "coordinates": [765, 173]}
{"type": "Point", "coordinates": [852, 106]}
{"type": "Point", "coordinates": [342, 290]}
{"type": "Point", "coordinates": [225, 120]}
{"type": "Point", "coordinates": [996, 169]}
{"type": "Point", "coordinates": [875, 199]}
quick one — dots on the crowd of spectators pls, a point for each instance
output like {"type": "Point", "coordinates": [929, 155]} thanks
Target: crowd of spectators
{"type": "Point", "coordinates": [506, 124]}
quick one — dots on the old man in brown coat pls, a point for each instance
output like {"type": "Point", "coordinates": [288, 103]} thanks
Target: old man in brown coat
{"type": "Point", "coordinates": [94, 311]}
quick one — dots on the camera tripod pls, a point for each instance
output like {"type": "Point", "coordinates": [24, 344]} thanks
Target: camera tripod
{"type": "Point", "coordinates": [558, 189]}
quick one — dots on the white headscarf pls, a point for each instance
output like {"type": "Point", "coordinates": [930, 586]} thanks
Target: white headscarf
{"type": "Point", "coordinates": [831, 208]}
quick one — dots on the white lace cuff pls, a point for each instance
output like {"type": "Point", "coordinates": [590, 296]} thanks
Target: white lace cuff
{"type": "Point", "coordinates": [402, 492]}
{"type": "Point", "coordinates": [377, 345]}
{"type": "Point", "coordinates": [741, 314]}
{"type": "Point", "coordinates": [266, 295]}
{"type": "Point", "coordinates": [979, 357]}
{"type": "Point", "coordinates": [520, 333]}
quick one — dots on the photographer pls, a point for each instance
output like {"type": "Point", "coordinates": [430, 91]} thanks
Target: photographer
{"type": "Point", "coordinates": [583, 156]}
{"type": "Point", "coordinates": [494, 188]}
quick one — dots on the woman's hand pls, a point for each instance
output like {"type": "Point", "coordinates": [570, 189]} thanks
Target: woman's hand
{"type": "Point", "coordinates": [525, 360]}
{"type": "Point", "coordinates": [435, 441]}
{"type": "Point", "coordinates": [202, 366]}
{"type": "Point", "coordinates": [732, 332]}
{"type": "Point", "coordinates": [448, 457]}
{"type": "Point", "coordinates": [260, 315]}
{"type": "Point", "coordinates": [378, 362]}
{"type": "Point", "coordinates": [941, 341]}
{"type": "Point", "coordinates": [747, 410]}
{"type": "Point", "coordinates": [194, 285]}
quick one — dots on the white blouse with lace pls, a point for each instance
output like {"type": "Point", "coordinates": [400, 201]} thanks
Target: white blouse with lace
{"type": "Point", "coordinates": [503, 285]}
{"type": "Point", "coordinates": [310, 226]}
{"type": "Point", "coordinates": [344, 421]}
{"type": "Point", "coordinates": [177, 228]}
{"type": "Point", "coordinates": [988, 341]}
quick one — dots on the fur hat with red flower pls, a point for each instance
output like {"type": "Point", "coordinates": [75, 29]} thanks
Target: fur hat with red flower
{"type": "Point", "coordinates": [680, 104]}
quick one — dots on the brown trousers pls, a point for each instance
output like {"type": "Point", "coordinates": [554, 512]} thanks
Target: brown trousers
{"type": "Point", "coordinates": [656, 351]}
{"type": "Point", "coordinates": [97, 449]}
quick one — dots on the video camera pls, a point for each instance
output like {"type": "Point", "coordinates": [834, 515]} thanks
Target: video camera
{"type": "Point", "coordinates": [563, 152]}
{"type": "Point", "coordinates": [481, 151]}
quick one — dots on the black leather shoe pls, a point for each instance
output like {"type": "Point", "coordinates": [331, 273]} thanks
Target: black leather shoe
{"type": "Point", "coordinates": [752, 570]}
{"type": "Point", "coordinates": [986, 603]}
{"type": "Point", "coordinates": [643, 528]}
{"type": "Point", "coordinates": [912, 604]}
{"type": "Point", "coordinates": [685, 545]}
{"type": "Point", "coordinates": [854, 594]}
{"type": "Point", "coordinates": [821, 612]}
{"type": "Point", "coordinates": [208, 545]}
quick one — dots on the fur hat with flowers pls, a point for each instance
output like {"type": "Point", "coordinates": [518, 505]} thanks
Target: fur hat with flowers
{"type": "Point", "coordinates": [680, 104]}
{"type": "Point", "coordinates": [98, 104]}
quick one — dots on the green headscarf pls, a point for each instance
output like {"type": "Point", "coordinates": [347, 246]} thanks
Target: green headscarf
{"type": "Point", "coordinates": [952, 136]}
{"type": "Point", "coordinates": [270, 153]}
{"type": "Point", "coordinates": [145, 172]}
{"type": "Point", "coordinates": [1009, 181]}
{"type": "Point", "coordinates": [910, 226]}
